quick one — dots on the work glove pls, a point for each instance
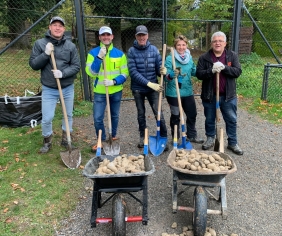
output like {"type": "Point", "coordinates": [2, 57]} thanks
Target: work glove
{"type": "Point", "coordinates": [57, 74]}
{"type": "Point", "coordinates": [217, 67]}
{"type": "Point", "coordinates": [108, 82]}
{"type": "Point", "coordinates": [163, 70]}
{"type": "Point", "coordinates": [102, 52]}
{"type": "Point", "coordinates": [49, 48]}
{"type": "Point", "coordinates": [175, 73]}
{"type": "Point", "coordinates": [155, 86]}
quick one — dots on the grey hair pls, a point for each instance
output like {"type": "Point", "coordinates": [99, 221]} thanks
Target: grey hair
{"type": "Point", "coordinates": [218, 34]}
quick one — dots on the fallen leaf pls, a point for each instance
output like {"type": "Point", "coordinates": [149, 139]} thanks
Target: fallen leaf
{"type": "Point", "coordinates": [16, 202]}
{"type": "Point", "coordinates": [6, 210]}
{"type": "Point", "coordinates": [8, 220]}
{"type": "Point", "coordinates": [17, 159]}
{"type": "Point", "coordinates": [5, 141]}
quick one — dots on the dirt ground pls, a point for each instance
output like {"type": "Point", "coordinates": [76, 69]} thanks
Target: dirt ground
{"type": "Point", "coordinates": [253, 191]}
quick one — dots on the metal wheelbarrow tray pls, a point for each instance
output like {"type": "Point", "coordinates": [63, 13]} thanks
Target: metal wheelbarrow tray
{"type": "Point", "coordinates": [117, 184]}
{"type": "Point", "coordinates": [202, 181]}
{"type": "Point", "coordinates": [208, 177]}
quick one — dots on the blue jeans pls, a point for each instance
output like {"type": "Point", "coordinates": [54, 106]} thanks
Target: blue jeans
{"type": "Point", "coordinates": [50, 98]}
{"type": "Point", "coordinates": [99, 107]}
{"type": "Point", "coordinates": [153, 98]}
{"type": "Point", "coordinates": [229, 113]}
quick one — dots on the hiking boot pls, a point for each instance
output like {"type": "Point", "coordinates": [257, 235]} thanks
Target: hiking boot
{"type": "Point", "coordinates": [236, 149]}
{"type": "Point", "coordinates": [208, 144]}
{"type": "Point", "coordinates": [64, 142]}
{"type": "Point", "coordinates": [46, 144]}
{"type": "Point", "coordinates": [141, 143]}
{"type": "Point", "coordinates": [195, 140]}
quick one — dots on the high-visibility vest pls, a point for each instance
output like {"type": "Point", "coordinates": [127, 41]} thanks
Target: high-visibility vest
{"type": "Point", "coordinates": [116, 65]}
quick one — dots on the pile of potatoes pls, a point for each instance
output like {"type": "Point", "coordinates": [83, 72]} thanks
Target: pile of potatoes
{"type": "Point", "coordinates": [197, 161]}
{"type": "Point", "coordinates": [121, 165]}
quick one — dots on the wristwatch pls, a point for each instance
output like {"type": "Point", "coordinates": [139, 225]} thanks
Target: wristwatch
{"type": "Point", "coordinates": [115, 82]}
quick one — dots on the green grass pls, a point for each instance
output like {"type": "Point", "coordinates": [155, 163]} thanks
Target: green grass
{"type": "Point", "coordinates": [37, 190]}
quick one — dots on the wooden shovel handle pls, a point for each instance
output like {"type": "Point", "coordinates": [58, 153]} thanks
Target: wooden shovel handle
{"type": "Point", "coordinates": [161, 83]}
{"type": "Point", "coordinates": [62, 99]}
{"type": "Point", "coordinates": [108, 100]}
{"type": "Point", "coordinates": [217, 97]}
{"type": "Point", "coordinates": [146, 137]}
{"type": "Point", "coordinates": [99, 144]}
{"type": "Point", "coordinates": [177, 89]}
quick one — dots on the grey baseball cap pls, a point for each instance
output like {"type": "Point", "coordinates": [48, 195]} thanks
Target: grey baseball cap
{"type": "Point", "coordinates": [141, 29]}
{"type": "Point", "coordinates": [57, 18]}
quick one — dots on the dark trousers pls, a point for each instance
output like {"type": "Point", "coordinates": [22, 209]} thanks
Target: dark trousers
{"type": "Point", "coordinates": [190, 110]}
{"type": "Point", "coordinates": [153, 98]}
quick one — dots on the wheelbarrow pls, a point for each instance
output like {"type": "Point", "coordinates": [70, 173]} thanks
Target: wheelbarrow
{"type": "Point", "coordinates": [118, 185]}
{"type": "Point", "coordinates": [202, 181]}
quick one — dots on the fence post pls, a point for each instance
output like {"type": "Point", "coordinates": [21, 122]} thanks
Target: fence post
{"type": "Point", "coordinates": [265, 82]}
{"type": "Point", "coordinates": [81, 45]}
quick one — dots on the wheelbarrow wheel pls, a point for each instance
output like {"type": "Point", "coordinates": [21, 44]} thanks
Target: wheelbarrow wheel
{"type": "Point", "coordinates": [118, 215]}
{"type": "Point", "coordinates": [200, 211]}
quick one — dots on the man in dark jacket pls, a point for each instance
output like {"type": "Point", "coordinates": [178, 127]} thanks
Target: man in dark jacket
{"type": "Point", "coordinates": [226, 63]}
{"type": "Point", "coordinates": [144, 64]}
{"type": "Point", "coordinates": [68, 65]}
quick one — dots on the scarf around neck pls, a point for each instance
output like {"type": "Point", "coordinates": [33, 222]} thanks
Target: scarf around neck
{"type": "Point", "coordinates": [182, 59]}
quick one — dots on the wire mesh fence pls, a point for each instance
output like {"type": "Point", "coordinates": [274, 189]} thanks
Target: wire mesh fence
{"type": "Point", "coordinates": [260, 33]}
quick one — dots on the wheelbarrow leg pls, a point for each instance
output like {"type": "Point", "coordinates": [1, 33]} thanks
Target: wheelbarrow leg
{"type": "Point", "coordinates": [223, 199]}
{"type": "Point", "coordinates": [94, 205]}
{"type": "Point", "coordinates": [145, 202]}
{"type": "Point", "coordinates": [174, 193]}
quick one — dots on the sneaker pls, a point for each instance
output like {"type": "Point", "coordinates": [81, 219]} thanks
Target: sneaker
{"type": "Point", "coordinates": [208, 144]}
{"type": "Point", "coordinates": [236, 149]}
{"type": "Point", "coordinates": [195, 140]}
{"type": "Point", "coordinates": [141, 143]}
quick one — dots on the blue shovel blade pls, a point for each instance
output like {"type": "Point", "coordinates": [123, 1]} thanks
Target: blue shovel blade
{"type": "Point", "coordinates": [157, 145]}
{"type": "Point", "coordinates": [185, 144]}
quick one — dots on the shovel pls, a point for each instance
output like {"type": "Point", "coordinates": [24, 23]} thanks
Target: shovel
{"type": "Point", "coordinates": [175, 139]}
{"type": "Point", "coordinates": [157, 143]}
{"type": "Point", "coordinates": [71, 158]}
{"type": "Point", "coordinates": [99, 145]}
{"type": "Point", "coordinates": [110, 147]}
{"type": "Point", "coordinates": [218, 132]}
{"type": "Point", "coordinates": [184, 144]}
{"type": "Point", "coordinates": [145, 149]}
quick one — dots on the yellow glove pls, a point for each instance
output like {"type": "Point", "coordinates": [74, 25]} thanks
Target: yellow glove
{"type": "Point", "coordinates": [163, 70]}
{"type": "Point", "coordinates": [155, 86]}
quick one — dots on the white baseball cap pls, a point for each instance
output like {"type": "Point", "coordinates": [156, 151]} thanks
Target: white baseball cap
{"type": "Point", "coordinates": [105, 29]}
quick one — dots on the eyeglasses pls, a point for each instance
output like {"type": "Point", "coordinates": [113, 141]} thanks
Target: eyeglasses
{"type": "Point", "coordinates": [218, 41]}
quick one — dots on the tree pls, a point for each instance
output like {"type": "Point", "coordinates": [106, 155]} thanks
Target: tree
{"type": "Point", "coordinates": [115, 10]}
{"type": "Point", "coordinates": [267, 15]}
{"type": "Point", "coordinates": [16, 16]}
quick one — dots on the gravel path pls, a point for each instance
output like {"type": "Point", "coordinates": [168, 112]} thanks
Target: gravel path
{"type": "Point", "coordinates": [254, 192]}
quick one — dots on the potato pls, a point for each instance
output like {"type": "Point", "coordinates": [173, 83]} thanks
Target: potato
{"type": "Point", "coordinates": [112, 167]}
{"type": "Point", "coordinates": [193, 167]}
{"type": "Point", "coordinates": [211, 231]}
{"type": "Point", "coordinates": [211, 159]}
